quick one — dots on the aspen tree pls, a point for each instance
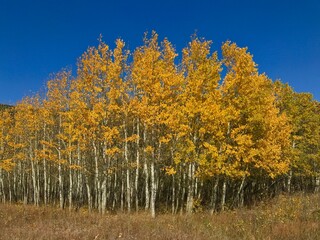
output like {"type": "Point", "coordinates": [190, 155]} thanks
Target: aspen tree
{"type": "Point", "coordinates": [152, 130]}
{"type": "Point", "coordinates": [7, 160]}
{"type": "Point", "coordinates": [200, 99]}
{"type": "Point", "coordinates": [256, 133]}
{"type": "Point", "coordinates": [303, 114]}
{"type": "Point", "coordinates": [58, 97]}
{"type": "Point", "coordinates": [153, 77]}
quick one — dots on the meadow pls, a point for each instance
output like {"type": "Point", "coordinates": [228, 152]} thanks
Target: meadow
{"type": "Point", "coordinates": [284, 217]}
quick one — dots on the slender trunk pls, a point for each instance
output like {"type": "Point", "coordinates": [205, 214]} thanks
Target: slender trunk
{"type": "Point", "coordinates": [173, 187]}
{"type": "Point", "coordinates": [122, 193]}
{"type": "Point", "coordinates": [89, 196]}
{"type": "Point", "coordinates": [153, 190]}
{"type": "Point", "coordinates": [173, 197]}
{"type": "Point", "coordinates": [214, 195]}
{"type": "Point", "coordinates": [45, 184]}
{"type": "Point", "coordinates": [196, 187]}
{"type": "Point", "coordinates": [38, 182]}
{"type": "Point", "coordinates": [33, 172]}
{"type": "Point", "coordinates": [241, 194]}
{"type": "Point", "coordinates": [146, 173]}
{"type": "Point", "coordinates": [24, 185]}
{"type": "Point", "coordinates": [116, 192]}
{"type": "Point", "coordinates": [238, 199]}
{"type": "Point", "coordinates": [137, 168]}
{"type": "Point", "coordinates": [61, 197]}
{"type": "Point", "coordinates": [9, 187]}
{"type": "Point", "coordinates": [153, 184]}
{"type": "Point", "coordinates": [224, 191]}
{"type": "Point", "coordinates": [128, 189]}
{"type": "Point", "coordinates": [183, 185]}
{"type": "Point", "coordinates": [70, 180]}
{"type": "Point", "coordinates": [79, 178]}
{"type": "Point", "coordinates": [317, 184]}
{"type": "Point", "coordinates": [190, 199]}
{"type": "Point", "coordinates": [96, 177]}
{"type": "Point", "coordinates": [48, 182]}
{"type": "Point", "coordinates": [15, 185]}
{"type": "Point", "coordinates": [2, 193]}
{"type": "Point", "coordinates": [290, 172]}
{"type": "Point", "coordinates": [224, 185]}
{"type": "Point", "coordinates": [105, 181]}
{"type": "Point", "coordinates": [179, 191]}
{"type": "Point", "coordinates": [289, 181]}
{"type": "Point", "coordinates": [104, 195]}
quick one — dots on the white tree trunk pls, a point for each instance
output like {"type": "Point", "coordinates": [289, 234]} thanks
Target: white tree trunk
{"type": "Point", "coordinates": [214, 195]}
{"type": "Point", "coordinates": [128, 184]}
{"type": "Point", "coordinates": [137, 168]}
{"type": "Point", "coordinates": [153, 190]}
{"type": "Point", "coordinates": [190, 197]}
{"type": "Point", "coordinates": [146, 173]}
{"type": "Point", "coordinates": [223, 197]}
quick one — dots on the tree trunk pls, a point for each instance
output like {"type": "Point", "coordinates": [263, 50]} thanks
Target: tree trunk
{"type": "Point", "coordinates": [190, 199]}
{"type": "Point", "coordinates": [153, 190]}
{"type": "Point", "coordinates": [96, 177]}
{"type": "Point", "coordinates": [70, 181]}
{"type": "Point", "coordinates": [33, 172]}
{"type": "Point", "coordinates": [89, 196]}
{"type": "Point", "coordinates": [137, 168]}
{"type": "Point", "coordinates": [239, 196]}
{"type": "Point", "coordinates": [2, 192]}
{"type": "Point", "coordinates": [104, 195]}
{"type": "Point", "coordinates": [173, 196]}
{"type": "Point", "coordinates": [289, 181]}
{"type": "Point", "coordinates": [45, 184]}
{"type": "Point", "coordinates": [61, 197]}
{"type": "Point", "coordinates": [317, 184]}
{"type": "Point", "coordinates": [214, 195]}
{"type": "Point", "coordinates": [183, 186]}
{"type": "Point", "coordinates": [154, 183]}
{"type": "Point", "coordinates": [223, 197]}
{"type": "Point", "coordinates": [128, 184]}
{"type": "Point", "coordinates": [146, 173]}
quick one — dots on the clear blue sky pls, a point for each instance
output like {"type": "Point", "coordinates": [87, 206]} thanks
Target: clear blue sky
{"type": "Point", "coordinates": [41, 37]}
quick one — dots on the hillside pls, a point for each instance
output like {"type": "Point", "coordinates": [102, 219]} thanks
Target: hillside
{"type": "Point", "coordinates": [4, 106]}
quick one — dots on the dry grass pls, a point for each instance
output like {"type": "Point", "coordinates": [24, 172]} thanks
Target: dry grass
{"type": "Point", "coordinates": [295, 217]}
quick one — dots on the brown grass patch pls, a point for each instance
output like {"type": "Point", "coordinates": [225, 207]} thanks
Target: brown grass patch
{"type": "Point", "coordinates": [286, 217]}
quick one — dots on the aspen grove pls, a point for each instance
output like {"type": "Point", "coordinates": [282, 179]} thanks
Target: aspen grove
{"type": "Point", "coordinates": [151, 131]}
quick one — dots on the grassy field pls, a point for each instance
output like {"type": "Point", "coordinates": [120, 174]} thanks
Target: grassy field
{"type": "Point", "coordinates": [285, 217]}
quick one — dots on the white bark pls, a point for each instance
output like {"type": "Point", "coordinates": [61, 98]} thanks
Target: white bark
{"type": "Point", "coordinates": [137, 168]}
{"type": "Point", "coordinates": [214, 195]}
{"type": "Point", "coordinates": [223, 197]}
{"type": "Point", "coordinates": [128, 186]}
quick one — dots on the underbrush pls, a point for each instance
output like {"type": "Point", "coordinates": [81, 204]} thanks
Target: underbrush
{"type": "Point", "coordinates": [284, 217]}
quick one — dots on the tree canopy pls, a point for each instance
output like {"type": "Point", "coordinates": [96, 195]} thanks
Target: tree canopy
{"type": "Point", "coordinates": [160, 131]}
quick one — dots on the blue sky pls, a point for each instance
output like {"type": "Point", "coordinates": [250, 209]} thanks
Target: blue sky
{"type": "Point", "coordinates": [38, 38]}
